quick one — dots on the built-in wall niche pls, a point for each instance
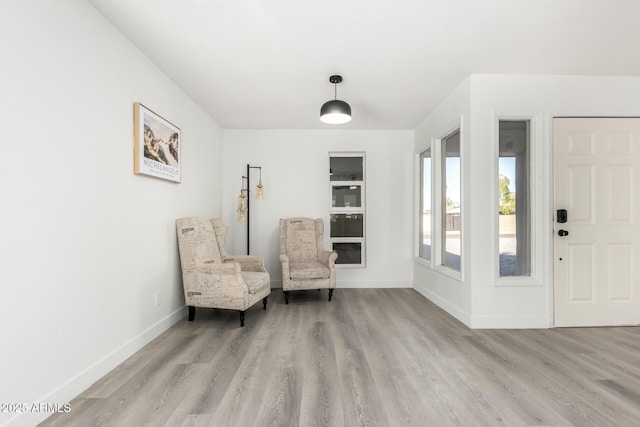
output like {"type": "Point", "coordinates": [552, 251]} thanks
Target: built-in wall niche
{"type": "Point", "coordinates": [347, 207]}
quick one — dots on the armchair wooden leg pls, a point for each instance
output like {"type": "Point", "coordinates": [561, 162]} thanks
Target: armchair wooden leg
{"type": "Point", "coordinates": [241, 319]}
{"type": "Point", "coordinates": [264, 303]}
{"type": "Point", "coordinates": [192, 313]}
{"type": "Point", "coordinates": [286, 297]}
{"type": "Point", "coordinates": [330, 294]}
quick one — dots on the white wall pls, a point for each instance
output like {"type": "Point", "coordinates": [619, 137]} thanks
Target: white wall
{"type": "Point", "coordinates": [85, 244]}
{"type": "Point", "coordinates": [500, 303]}
{"type": "Point", "coordinates": [483, 300]}
{"type": "Point", "coordinates": [295, 172]}
{"type": "Point", "coordinates": [452, 294]}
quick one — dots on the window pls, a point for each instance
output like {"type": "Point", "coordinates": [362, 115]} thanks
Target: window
{"type": "Point", "coordinates": [514, 207]}
{"type": "Point", "coordinates": [451, 225]}
{"type": "Point", "coordinates": [440, 205]}
{"type": "Point", "coordinates": [424, 249]}
{"type": "Point", "coordinates": [347, 211]}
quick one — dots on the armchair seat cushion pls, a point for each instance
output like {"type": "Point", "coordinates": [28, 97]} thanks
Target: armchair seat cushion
{"type": "Point", "coordinates": [308, 271]}
{"type": "Point", "coordinates": [256, 281]}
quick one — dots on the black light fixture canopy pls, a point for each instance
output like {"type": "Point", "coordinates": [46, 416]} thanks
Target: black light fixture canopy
{"type": "Point", "coordinates": [335, 112]}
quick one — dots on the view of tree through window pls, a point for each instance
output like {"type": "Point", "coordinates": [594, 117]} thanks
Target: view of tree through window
{"type": "Point", "coordinates": [507, 199]}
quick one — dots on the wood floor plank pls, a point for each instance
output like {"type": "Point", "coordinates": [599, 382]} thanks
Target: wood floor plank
{"type": "Point", "coordinates": [281, 374]}
{"type": "Point", "coordinates": [320, 405]}
{"type": "Point", "coordinates": [370, 357]}
{"type": "Point", "coordinates": [564, 378]}
{"type": "Point", "coordinates": [546, 382]}
{"type": "Point", "coordinates": [361, 401]}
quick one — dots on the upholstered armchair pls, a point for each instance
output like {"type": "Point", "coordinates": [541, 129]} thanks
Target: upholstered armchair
{"type": "Point", "coordinates": [305, 263]}
{"type": "Point", "coordinates": [211, 277]}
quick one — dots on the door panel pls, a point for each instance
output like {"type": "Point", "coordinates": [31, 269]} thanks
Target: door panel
{"type": "Point", "coordinates": [619, 259]}
{"type": "Point", "coordinates": [580, 193]}
{"type": "Point", "coordinates": [580, 275]}
{"type": "Point", "coordinates": [596, 260]}
{"type": "Point", "coordinates": [618, 193]}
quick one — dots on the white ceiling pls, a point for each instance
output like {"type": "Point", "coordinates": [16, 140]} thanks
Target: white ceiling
{"type": "Point", "coordinates": [265, 64]}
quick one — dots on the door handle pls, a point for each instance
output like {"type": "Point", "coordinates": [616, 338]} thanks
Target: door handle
{"type": "Point", "coordinates": [563, 233]}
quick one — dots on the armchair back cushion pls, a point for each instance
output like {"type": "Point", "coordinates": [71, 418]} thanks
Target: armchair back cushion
{"type": "Point", "coordinates": [220, 230]}
{"type": "Point", "coordinates": [197, 242]}
{"type": "Point", "coordinates": [301, 239]}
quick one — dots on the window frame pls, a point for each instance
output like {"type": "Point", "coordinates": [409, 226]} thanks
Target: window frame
{"type": "Point", "coordinates": [538, 203]}
{"type": "Point", "coordinates": [420, 248]}
{"type": "Point", "coordinates": [440, 201]}
{"type": "Point", "coordinates": [435, 144]}
{"type": "Point", "coordinates": [520, 214]}
{"type": "Point", "coordinates": [361, 210]}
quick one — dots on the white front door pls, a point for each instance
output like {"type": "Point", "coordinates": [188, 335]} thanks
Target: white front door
{"type": "Point", "coordinates": [597, 182]}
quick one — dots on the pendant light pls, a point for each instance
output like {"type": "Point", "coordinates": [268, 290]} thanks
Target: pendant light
{"type": "Point", "coordinates": [242, 208]}
{"type": "Point", "coordinates": [335, 112]}
{"type": "Point", "coordinates": [260, 187]}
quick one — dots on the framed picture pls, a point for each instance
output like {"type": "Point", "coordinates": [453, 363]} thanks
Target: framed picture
{"type": "Point", "coordinates": [156, 145]}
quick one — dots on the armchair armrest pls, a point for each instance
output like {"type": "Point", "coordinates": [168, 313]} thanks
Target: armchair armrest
{"type": "Point", "coordinates": [286, 272]}
{"type": "Point", "coordinates": [219, 268]}
{"type": "Point", "coordinates": [212, 284]}
{"type": "Point", "coordinates": [328, 258]}
{"type": "Point", "coordinates": [216, 285]}
{"type": "Point", "coordinates": [247, 262]}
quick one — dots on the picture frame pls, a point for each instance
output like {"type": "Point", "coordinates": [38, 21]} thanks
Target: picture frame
{"type": "Point", "coordinates": [157, 144]}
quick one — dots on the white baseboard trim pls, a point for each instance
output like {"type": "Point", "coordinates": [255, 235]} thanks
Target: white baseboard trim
{"type": "Point", "coordinates": [484, 322]}
{"type": "Point", "coordinates": [81, 381]}
{"type": "Point", "coordinates": [510, 322]}
{"type": "Point", "coordinates": [372, 284]}
{"type": "Point", "coordinates": [450, 308]}
{"type": "Point", "coordinates": [359, 284]}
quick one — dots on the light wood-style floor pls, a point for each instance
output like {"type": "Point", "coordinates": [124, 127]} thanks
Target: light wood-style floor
{"type": "Point", "coordinates": [370, 357]}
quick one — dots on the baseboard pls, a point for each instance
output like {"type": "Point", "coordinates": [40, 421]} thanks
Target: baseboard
{"type": "Point", "coordinates": [372, 284]}
{"type": "Point", "coordinates": [510, 322]}
{"type": "Point", "coordinates": [359, 284]}
{"type": "Point", "coordinates": [447, 306]}
{"type": "Point", "coordinates": [80, 382]}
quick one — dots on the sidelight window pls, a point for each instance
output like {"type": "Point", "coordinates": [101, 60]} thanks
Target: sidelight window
{"type": "Point", "coordinates": [514, 200]}
{"type": "Point", "coordinates": [450, 208]}
{"type": "Point", "coordinates": [347, 210]}
{"type": "Point", "coordinates": [424, 249]}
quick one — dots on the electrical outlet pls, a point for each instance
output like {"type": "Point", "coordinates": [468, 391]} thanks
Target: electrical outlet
{"type": "Point", "coordinates": [157, 299]}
